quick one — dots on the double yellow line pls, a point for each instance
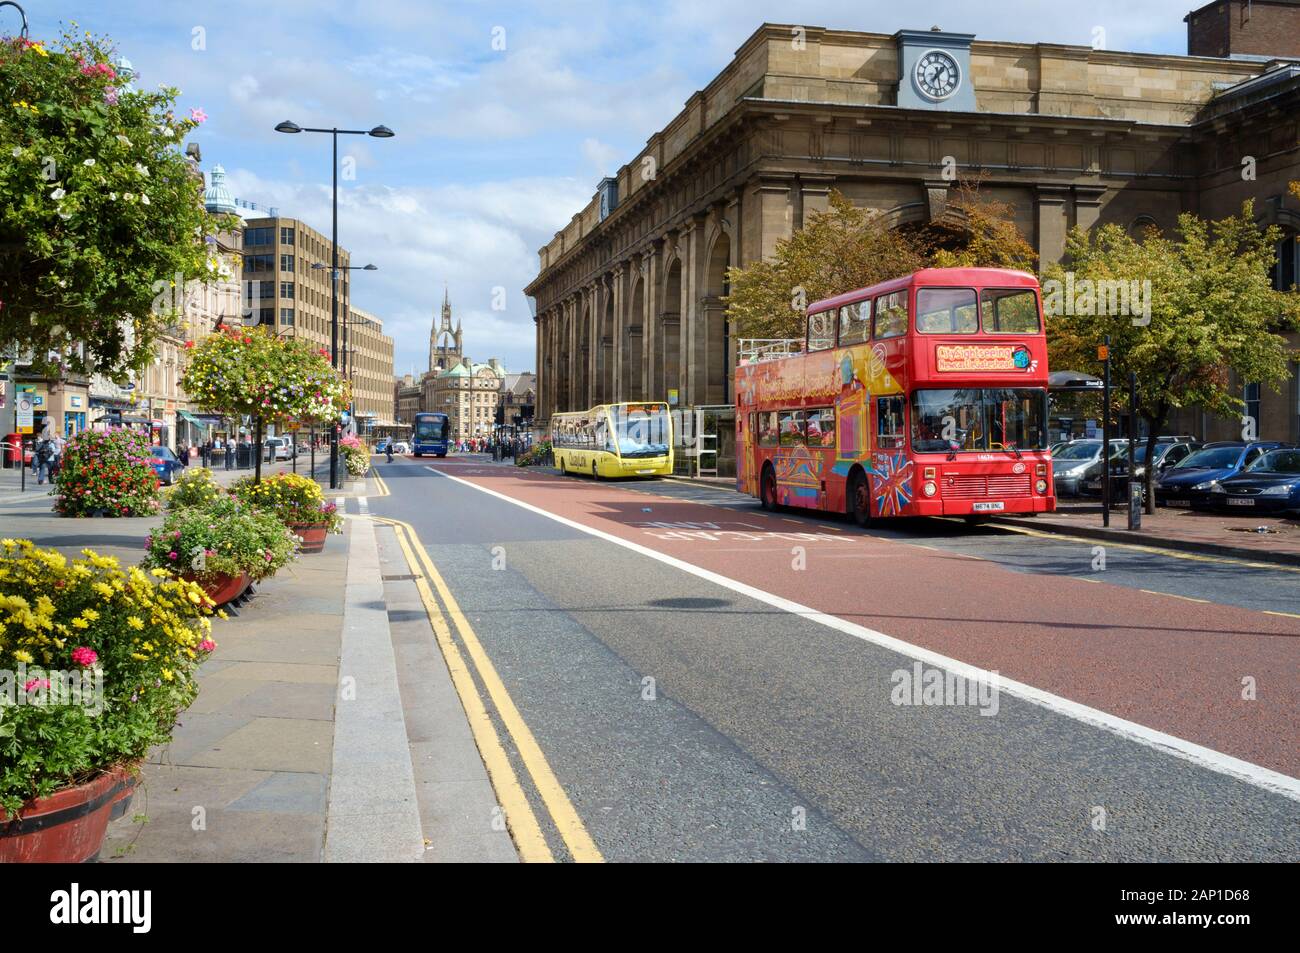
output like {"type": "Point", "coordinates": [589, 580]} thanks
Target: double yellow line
{"type": "Point", "coordinates": [520, 818]}
{"type": "Point", "coordinates": [381, 488]}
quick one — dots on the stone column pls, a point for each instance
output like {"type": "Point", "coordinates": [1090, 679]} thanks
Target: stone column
{"type": "Point", "coordinates": [649, 324]}
{"type": "Point", "coordinates": [619, 330]}
{"type": "Point", "coordinates": [1087, 204]}
{"type": "Point", "coordinates": [1051, 222]}
{"type": "Point", "coordinates": [776, 210]}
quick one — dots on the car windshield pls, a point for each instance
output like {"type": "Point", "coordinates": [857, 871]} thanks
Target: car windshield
{"type": "Point", "coordinates": [1211, 458]}
{"type": "Point", "coordinates": [162, 453]}
{"type": "Point", "coordinates": [1078, 451]}
{"type": "Point", "coordinates": [1277, 461]}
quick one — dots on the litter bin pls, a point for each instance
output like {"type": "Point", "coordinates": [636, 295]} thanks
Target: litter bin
{"type": "Point", "coordinates": [243, 456]}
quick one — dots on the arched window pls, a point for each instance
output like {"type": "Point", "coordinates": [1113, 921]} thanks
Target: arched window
{"type": "Point", "coordinates": [1140, 226]}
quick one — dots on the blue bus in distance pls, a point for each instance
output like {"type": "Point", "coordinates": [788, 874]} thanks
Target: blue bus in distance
{"type": "Point", "coordinates": [430, 435]}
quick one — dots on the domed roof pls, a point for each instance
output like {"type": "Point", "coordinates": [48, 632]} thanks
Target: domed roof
{"type": "Point", "coordinates": [217, 195]}
{"type": "Point", "coordinates": [456, 370]}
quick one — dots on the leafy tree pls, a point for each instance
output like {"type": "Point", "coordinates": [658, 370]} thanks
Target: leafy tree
{"type": "Point", "coordinates": [97, 207]}
{"type": "Point", "coordinates": [1210, 312]}
{"type": "Point", "coordinates": [250, 372]}
{"type": "Point", "coordinates": [847, 247]}
{"type": "Point", "coordinates": [838, 250]}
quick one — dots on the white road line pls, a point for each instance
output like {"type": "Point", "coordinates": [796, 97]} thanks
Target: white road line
{"type": "Point", "coordinates": [364, 505]}
{"type": "Point", "coordinates": [1261, 777]}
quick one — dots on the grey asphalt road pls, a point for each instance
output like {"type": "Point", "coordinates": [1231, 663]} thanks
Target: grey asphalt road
{"type": "Point", "coordinates": [687, 722]}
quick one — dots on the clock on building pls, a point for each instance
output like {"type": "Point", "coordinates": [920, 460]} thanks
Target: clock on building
{"type": "Point", "coordinates": [937, 75]}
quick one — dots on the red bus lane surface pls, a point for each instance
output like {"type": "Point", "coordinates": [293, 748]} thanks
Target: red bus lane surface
{"type": "Point", "coordinates": [1148, 658]}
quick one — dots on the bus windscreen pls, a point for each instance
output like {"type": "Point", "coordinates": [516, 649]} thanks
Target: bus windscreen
{"type": "Point", "coordinates": [995, 418]}
{"type": "Point", "coordinates": [429, 428]}
{"type": "Point", "coordinates": [641, 430]}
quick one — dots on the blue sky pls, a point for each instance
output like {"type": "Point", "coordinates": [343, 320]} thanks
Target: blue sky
{"type": "Point", "coordinates": [495, 148]}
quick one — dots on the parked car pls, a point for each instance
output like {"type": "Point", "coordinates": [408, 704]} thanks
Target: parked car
{"type": "Point", "coordinates": [284, 448]}
{"type": "Point", "coordinates": [1270, 484]}
{"type": "Point", "coordinates": [1169, 451]}
{"type": "Point", "coordinates": [1188, 483]}
{"type": "Point", "coordinates": [1079, 461]}
{"type": "Point", "coordinates": [165, 463]}
{"type": "Point", "coordinates": [401, 447]}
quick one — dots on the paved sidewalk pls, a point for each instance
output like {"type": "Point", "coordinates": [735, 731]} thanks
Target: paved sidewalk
{"type": "Point", "coordinates": [1212, 533]}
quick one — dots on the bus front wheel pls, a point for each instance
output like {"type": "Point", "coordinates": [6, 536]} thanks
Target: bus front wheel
{"type": "Point", "coordinates": [767, 489]}
{"type": "Point", "coordinates": [859, 499]}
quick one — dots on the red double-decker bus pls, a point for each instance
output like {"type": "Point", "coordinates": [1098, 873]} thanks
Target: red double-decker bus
{"type": "Point", "coordinates": [922, 396]}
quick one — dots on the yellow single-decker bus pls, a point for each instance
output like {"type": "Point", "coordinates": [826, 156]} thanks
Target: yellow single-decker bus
{"type": "Point", "coordinates": [614, 440]}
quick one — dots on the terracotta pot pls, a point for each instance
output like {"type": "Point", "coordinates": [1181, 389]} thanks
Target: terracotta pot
{"type": "Point", "coordinates": [222, 589]}
{"type": "Point", "coordinates": [313, 535]}
{"type": "Point", "coordinates": [67, 827]}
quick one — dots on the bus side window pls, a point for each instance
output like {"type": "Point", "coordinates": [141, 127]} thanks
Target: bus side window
{"type": "Point", "coordinates": [891, 315]}
{"type": "Point", "coordinates": [821, 427]}
{"type": "Point", "coordinates": [889, 422]}
{"type": "Point", "coordinates": [768, 429]}
{"type": "Point", "coordinates": [792, 424]}
{"type": "Point", "coordinates": [855, 323]}
{"type": "Point", "coordinates": [821, 330]}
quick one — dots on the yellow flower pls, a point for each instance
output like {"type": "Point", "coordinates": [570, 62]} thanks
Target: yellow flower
{"type": "Point", "coordinates": [24, 657]}
{"type": "Point", "coordinates": [80, 624]}
{"type": "Point", "coordinates": [135, 622]}
{"type": "Point", "coordinates": [90, 614]}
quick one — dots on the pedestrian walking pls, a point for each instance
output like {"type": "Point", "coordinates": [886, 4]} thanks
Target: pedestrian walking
{"type": "Point", "coordinates": [43, 459]}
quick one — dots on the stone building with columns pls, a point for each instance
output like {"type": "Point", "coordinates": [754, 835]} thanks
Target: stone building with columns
{"type": "Point", "coordinates": [629, 297]}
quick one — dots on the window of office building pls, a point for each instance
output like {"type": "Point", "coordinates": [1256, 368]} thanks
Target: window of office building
{"type": "Point", "coordinates": [286, 289]}
{"type": "Point", "coordinates": [286, 236]}
{"type": "Point", "coordinates": [286, 315]}
{"type": "Point", "coordinates": [286, 263]}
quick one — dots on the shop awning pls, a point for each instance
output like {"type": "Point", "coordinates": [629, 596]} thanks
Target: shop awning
{"type": "Point", "coordinates": [186, 415]}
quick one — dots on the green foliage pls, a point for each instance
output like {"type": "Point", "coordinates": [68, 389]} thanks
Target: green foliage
{"type": "Point", "coordinates": [252, 372]}
{"type": "Point", "coordinates": [836, 251]}
{"type": "Point", "coordinates": [535, 455]}
{"type": "Point", "coordinates": [1213, 313]}
{"type": "Point", "coordinates": [224, 537]}
{"type": "Point", "coordinates": [142, 638]}
{"type": "Point", "coordinates": [194, 487]}
{"type": "Point", "coordinates": [99, 211]}
{"type": "Point", "coordinates": [109, 471]}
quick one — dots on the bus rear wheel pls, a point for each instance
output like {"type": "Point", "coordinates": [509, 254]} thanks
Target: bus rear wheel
{"type": "Point", "coordinates": [767, 489]}
{"type": "Point", "coordinates": [859, 499]}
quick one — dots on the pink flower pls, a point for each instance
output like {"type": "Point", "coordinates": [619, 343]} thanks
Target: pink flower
{"type": "Point", "coordinates": [198, 115]}
{"type": "Point", "coordinates": [85, 656]}
{"type": "Point", "coordinates": [35, 683]}
{"type": "Point", "coordinates": [110, 96]}
{"type": "Point", "coordinates": [171, 555]}
{"type": "Point", "coordinates": [207, 645]}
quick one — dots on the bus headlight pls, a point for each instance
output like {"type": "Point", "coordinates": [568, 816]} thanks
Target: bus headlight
{"type": "Point", "coordinates": [1041, 486]}
{"type": "Point", "coordinates": [929, 489]}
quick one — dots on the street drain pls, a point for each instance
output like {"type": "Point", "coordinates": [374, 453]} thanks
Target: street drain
{"type": "Point", "coordinates": [404, 577]}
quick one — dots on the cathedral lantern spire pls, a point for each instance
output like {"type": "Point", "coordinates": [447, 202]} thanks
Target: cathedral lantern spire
{"type": "Point", "coordinates": [444, 343]}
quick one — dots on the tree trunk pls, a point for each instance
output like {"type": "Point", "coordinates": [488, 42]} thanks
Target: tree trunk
{"type": "Point", "coordinates": [1156, 424]}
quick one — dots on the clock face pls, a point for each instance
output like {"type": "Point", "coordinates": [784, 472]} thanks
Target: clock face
{"type": "Point", "coordinates": [937, 74]}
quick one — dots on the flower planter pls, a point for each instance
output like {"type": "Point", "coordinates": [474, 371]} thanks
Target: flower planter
{"type": "Point", "coordinates": [312, 534]}
{"type": "Point", "coordinates": [68, 826]}
{"type": "Point", "coordinates": [224, 588]}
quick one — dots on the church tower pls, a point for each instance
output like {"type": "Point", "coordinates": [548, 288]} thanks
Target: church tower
{"type": "Point", "coordinates": [444, 343]}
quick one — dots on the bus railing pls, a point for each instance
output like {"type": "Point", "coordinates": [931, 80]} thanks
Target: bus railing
{"type": "Point", "coordinates": [758, 350]}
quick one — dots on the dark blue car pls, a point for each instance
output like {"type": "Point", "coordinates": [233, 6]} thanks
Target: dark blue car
{"type": "Point", "coordinates": [165, 463]}
{"type": "Point", "coordinates": [1189, 483]}
{"type": "Point", "coordinates": [1271, 484]}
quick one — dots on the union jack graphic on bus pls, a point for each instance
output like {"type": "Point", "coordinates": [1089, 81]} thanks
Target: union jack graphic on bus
{"type": "Point", "coordinates": [892, 484]}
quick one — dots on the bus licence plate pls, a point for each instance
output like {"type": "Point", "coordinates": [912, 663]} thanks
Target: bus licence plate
{"type": "Point", "coordinates": [987, 507]}
{"type": "Point", "coordinates": [643, 472]}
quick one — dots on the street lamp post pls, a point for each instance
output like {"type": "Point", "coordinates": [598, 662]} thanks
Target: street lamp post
{"type": "Point", "coordinates": [379, 132]}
